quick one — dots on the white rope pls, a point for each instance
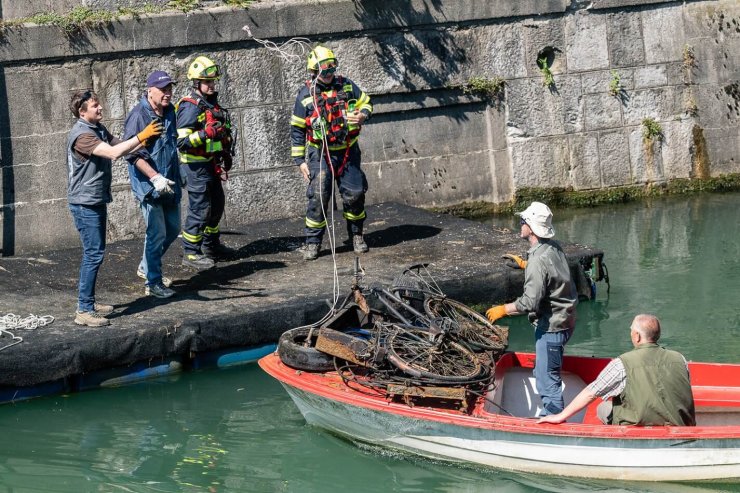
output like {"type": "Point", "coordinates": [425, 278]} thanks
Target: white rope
{"type": "Point", "coordinates": [14, 322]}
{"type": "Point", "coordinates": [284, 50]}
{"type": "Point", "coordinates": [294, 51]}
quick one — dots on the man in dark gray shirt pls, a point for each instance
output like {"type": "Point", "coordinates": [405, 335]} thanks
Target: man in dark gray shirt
{"type": "Point", "coordinates": [549, 299]}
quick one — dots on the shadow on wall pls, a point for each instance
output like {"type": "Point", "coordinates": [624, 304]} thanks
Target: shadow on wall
{"type": "Point", "coordinates": [6, 168]}
{"type": "Point", "coordinates": [409, 58]}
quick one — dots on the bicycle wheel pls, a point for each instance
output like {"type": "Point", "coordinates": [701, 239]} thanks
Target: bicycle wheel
{"type": "Point", "coordinates": [416, 353]}
{"type": "Point", "coordinates": [471, 326]}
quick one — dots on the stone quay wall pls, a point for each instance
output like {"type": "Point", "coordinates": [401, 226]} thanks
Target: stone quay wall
{"type": "Point", "coordinates": [429, 143]}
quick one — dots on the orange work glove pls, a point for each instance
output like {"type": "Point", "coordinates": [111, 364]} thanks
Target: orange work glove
{"type": "Point", "coordinates": [496, 312]}
{"type": "Point", "coordinates": [154, 129]}
{"type": "Point", "coordinates": [515, 261]}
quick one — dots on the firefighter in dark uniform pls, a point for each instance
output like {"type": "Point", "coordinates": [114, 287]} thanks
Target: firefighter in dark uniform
{"type": "Point", "coordinates": [205, 141]}
{"type": "Point", "coordinates": [325, 127]}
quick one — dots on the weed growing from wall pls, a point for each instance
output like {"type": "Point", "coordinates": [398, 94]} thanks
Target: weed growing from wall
{"type": "Point", "coordinates": [80, 17]}
{"type": "Point", "coordinates": [615, 84]}
{"type": "Point", "coordinates": [651, 130]}
{"type": "Point", "coordinates": [548, 79]}
{"type": "Point", "coordinates": [492, 88]}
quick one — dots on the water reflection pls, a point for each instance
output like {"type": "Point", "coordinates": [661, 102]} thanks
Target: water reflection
{"type": "Point", "coordinates": [237, 431]}
{"type": "Point", "coordinates": [677, 257]}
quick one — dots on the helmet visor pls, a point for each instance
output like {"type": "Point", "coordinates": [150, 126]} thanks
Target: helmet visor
{"type": "Point", "coordinates": [211, 72]}
{"type": "Point", "coordinates": [328, 67]}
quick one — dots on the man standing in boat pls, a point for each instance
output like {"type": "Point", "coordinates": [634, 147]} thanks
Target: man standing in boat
{"type": "Point", "coordinates": [549, 299]}
{"type": "Point", "coordinates": [650, 385]}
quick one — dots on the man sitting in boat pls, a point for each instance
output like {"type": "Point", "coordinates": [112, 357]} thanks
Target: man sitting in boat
{"type": "Point", "coordinates": [650, 385]}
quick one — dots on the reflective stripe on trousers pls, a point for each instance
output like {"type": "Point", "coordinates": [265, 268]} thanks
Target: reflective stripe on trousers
{"type": "Point", "coordinates": [352, 186]}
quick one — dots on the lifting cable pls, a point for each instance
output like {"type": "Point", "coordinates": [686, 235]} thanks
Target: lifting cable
{"type": "Point", "coordinates": [291, 51]}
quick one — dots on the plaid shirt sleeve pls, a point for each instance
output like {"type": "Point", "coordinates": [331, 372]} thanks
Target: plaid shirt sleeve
{"type": "Point", "coordinates": [611, 380]}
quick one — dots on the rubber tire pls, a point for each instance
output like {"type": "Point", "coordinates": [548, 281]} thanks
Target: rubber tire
{"type": "Point", "coordinates": [294, 354]}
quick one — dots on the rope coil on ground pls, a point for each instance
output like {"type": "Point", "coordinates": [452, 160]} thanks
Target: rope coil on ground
{"type": "Point", "coordinates": [14, 322]}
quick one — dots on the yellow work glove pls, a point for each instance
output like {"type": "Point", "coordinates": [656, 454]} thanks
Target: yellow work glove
{"type": "Point", "coordinates": [496, 312]}
{"type": "Point", "coordinates": [515, 261]}
{"type": "Point", "coordinates": [154, 129]}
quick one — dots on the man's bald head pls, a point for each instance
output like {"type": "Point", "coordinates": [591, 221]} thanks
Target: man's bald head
{"type": "Point", "coordinates": [648, 327]}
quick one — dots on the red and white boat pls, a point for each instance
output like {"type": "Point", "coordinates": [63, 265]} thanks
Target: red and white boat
{"type": "Point", "coordinates": [484, 434]}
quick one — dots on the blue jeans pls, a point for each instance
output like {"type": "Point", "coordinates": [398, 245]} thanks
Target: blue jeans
{"type": "Point", "coordinates": [162, 219]}
{"type": "Point", "coordinates": [549, 347]}
{"type": "Point", "coordinates": [90, 221]}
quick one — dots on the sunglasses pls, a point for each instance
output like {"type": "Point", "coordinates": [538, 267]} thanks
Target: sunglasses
{"type": "Point", "coordinates": [522, 221]}
{"type": "Point", "coordinates": [86, 96]}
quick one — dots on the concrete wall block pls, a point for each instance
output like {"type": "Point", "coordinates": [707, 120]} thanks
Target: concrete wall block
{"type": "Point", "coordinates": [108, 81]}
{"type": "Point", "coordinates": [503, 184]}
{"type": "Point", "coordinates": [584, 161]}
{"type": "Point", "coordinates": [425, 133]}
{"type": "Point", "coordinates": [626, 45]}
{"type": "Point", "coordinates": [41, 226]}
{"type": "Point", "coordinates": [646, 159]}
{"type": "Point", "coordinates": [250, 76]}
{"type": "Point", "coordinates": [539, 34]}
{"type": "Point", "coordinates": [15, 9]}
{"type": "Point", "coordinates": [611, 4]}
{"type": "Point", "coordinates": [585, 38]}
{"type": "Point", "coordinates": [541, 162]}
{"type": "Point", "coordinates": [43, 103]}
{"type": "Point", "coordinates": [652, 76]}
{"type": "Point", "coordinates": [598, 82]}
{"type": "Point", "coordinates": [677, 160]}
{"type": "Point", "coordinates": [659, 103]}
{"type": "Point", "coordinates": [602, 111]}
{"type": "Point", "coordinates": [377, 63]}
{"type": "Point", "coordinates": [715, 105]}
{"type": "Point", "coordinates": [535, 111]}
{"type": "Point", "coordinates": [499, 52]}
{"type": "Point", "coordinates": [124, 218]}
{"type": "Point", "coordinates": [432, 59]}
{"type": "Point", "coordinates": [264, 138]}
{"type": "Point", "coordinates": [614, 158]}
{"type": "Point", "coordinates": [431, 181]}
{"type": "Point", "coordinates": [30, 178]}
{"type": "Point", "coordinates": [263, 196]}
{"type": "Point", "coordinates": [724, 149]}
{"type": "Point", "coordinates": [663, 31]}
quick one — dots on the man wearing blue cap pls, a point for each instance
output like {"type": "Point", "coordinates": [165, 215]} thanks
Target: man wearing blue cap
{"type": "Point", "coordinates": [155, 179]}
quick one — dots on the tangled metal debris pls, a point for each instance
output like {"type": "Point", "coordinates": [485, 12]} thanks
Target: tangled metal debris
{"type": "Point", "coordinates": [408, 341]}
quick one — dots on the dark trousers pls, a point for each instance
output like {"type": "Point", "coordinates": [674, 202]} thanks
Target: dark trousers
{"type": "Point", "coordinates": [352, 185]}
{"type": "Point", "coordinates": [206, 203]}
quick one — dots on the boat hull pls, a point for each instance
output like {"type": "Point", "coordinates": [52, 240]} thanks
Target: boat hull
{"type": "Point", "coordinates": [576, 457]}
{"type": "Point", "coordinates": [574, 450]}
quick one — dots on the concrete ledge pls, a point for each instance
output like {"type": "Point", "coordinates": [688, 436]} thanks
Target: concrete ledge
{"type": "Point", "coordinates": [271, 20]}
{"type": "Point", "coordinates": [244, 303]}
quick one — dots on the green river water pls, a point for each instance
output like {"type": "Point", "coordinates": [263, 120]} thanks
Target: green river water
{"type": "Point", "coordinates": [237, 430]}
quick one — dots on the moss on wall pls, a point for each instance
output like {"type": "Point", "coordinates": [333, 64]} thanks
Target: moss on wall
{"type": "Point", "coordinates": [564, 198]}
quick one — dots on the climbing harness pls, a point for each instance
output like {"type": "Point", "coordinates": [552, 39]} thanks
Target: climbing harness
{"type": "Point", "coordinates": [14, 322]}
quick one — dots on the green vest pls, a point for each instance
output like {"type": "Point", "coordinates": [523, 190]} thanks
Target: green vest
{"type": "Point", "coordinates": [658, 391]}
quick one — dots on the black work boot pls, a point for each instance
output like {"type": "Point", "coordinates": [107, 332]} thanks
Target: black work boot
{"type": "Point", "coordinates": [219, 251]}
{"type": "Point", "coordinates": [311, 251]}
{"type": "Point", "coordinates": [359, 245]}
{"type": "Point", "coordinates": [197, 261]}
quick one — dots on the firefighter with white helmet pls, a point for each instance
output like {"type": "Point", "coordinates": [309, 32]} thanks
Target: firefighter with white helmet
{"type": "Point", "coordinates": [327, 117]}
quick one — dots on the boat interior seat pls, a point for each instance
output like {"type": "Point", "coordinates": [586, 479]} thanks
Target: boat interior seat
{"type": "Point", "coordinates": [516, 393]}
